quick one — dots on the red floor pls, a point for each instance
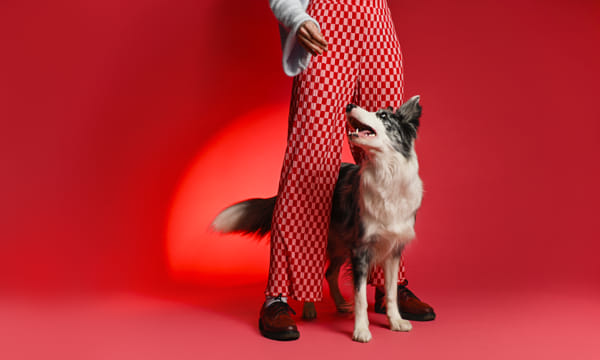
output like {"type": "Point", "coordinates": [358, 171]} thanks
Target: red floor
{"type": "Point", "coordinates": [220, 323]}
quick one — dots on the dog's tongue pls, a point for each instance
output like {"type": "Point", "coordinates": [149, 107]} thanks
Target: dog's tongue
{"type": "Point", "coordinates": [361, 133]}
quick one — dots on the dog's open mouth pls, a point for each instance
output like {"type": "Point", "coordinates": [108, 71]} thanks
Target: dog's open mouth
{"type": "Point", "coordinates": [358, 129]}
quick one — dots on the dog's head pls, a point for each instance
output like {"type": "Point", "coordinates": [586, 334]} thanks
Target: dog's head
{"type": "Point", "coordinates": [385, 129]}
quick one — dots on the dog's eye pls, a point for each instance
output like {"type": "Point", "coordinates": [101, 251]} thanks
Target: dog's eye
{"type": "Point", "coordinates": [383, 115]}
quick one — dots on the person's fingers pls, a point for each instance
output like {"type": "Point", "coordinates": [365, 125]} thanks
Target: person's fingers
{"type": "Point", "coordinates": [316, 35]}
{"type": "Point", "coordinates": [302, 31]}
{"type": "Point", "coordinates": [308, 42]}
{"type": "Point", "coordinates": [309, 45]}
{"type": "Point", "coordinates": [309, 33]}
{"type": "Point", "coordinates": [304, 38]}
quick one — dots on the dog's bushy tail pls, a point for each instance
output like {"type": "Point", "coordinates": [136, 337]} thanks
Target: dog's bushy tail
{"type": "Point", "coordinates": [251, 216]}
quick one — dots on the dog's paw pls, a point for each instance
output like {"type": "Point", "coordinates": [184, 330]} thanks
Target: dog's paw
{"type": "Point", "coordinates": [344, 307]}
{"type": "Point", "coordinates": [362, 335]}
{"type": "Point", "coordinates": [400, 325]}
{"type": "Point", "coordinates": [309, 312]}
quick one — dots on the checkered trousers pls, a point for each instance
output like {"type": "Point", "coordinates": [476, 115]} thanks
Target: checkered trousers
{"type": "Point", "coordinates": [364, 66]}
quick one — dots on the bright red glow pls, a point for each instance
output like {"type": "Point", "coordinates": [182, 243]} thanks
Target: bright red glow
{"type": "Point", "coordinates": [241, 161]}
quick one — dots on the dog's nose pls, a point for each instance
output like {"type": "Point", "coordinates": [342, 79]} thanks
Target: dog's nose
{"type": "Point", "coordinates": [349, 107]}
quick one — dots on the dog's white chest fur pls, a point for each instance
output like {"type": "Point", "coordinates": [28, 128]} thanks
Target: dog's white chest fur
{"type": "Point", "coordinates": [391, 194]}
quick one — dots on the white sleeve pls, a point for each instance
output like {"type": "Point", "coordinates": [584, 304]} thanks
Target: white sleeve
{"type": "Point", "coordinates": [291, 14]}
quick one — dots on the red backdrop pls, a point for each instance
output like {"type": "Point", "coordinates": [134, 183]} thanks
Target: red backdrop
{"type": "Point", "coordinates": [127, 125]}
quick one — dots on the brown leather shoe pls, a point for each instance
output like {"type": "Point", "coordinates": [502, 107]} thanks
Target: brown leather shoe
{"type": "Point", "coordinates": [276, 323]}
{"type": "Point", "coordinates": [410, 306]}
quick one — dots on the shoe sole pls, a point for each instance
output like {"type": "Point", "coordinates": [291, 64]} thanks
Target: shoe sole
{"type": "Point", "coordinates": [409, 316]}
{"type": "Point", "coordinates": [415, 317]}
{"type": "Point", "coordinates": [278, 335]}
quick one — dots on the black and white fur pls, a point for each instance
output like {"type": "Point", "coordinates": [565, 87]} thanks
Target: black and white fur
{"type": "Point", "coordinates": [373, 212]}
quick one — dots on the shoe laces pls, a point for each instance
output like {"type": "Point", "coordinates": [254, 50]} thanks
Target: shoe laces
{"type": "Point", "coordinates": [405, 292]}
{"type": "Point", "coordinates": [279, 307]}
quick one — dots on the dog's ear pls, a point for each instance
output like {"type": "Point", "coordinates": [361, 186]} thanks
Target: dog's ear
{"type": "Point", "coordinates": [410, 111]}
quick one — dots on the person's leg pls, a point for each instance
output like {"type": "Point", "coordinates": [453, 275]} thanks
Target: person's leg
{"type": "Point", "coordinates": [311, 164]}
{"type": "Point", "coordinates": [381, 84]}
{"type": "Point", "coordinates": [312, 160]}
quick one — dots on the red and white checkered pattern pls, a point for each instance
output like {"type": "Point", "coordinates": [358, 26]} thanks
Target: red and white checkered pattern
{"type": "Point", "coordinates": [363, 65]}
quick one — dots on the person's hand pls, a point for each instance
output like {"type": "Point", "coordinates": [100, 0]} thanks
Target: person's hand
{"type": "Point", "coordinates": [311, 38]}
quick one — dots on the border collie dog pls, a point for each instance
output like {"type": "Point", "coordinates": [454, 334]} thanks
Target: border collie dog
{"type": "Point", "coordinates": [373, 212]}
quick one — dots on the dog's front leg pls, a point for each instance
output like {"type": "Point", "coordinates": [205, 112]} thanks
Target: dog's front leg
{"type": "Point", "coordinates": [390, 268]}
{"type": "Point", "coordinates": [360, 266]}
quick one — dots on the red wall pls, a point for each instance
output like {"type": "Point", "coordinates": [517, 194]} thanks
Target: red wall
{"type": "Point", "coordinates": [105, 106]}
